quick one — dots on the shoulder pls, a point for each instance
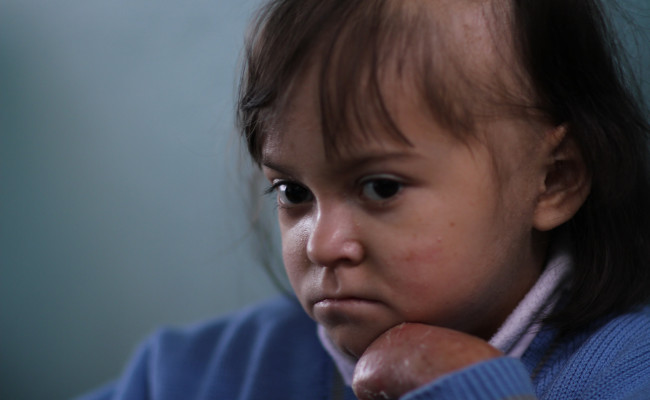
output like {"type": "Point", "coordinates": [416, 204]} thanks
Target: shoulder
{"type": "Point", "coordinates": [255, 337]}
{"type": "Point", "coordinates": [619, 350]}
{"type": "Point", "coordinates": [619, 337]}
{"type": "Point", "coordinates": [612, 359]}
{"type": "Point", "coordinates": [271, 347]}
{"type": "Point", "coordinates": [271, 320]}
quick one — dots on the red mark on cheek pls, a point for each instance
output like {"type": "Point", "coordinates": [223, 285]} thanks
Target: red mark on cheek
{"type": "Point", "coordinates": [452, 224]}
{"type": "Point", "coordinates": [425, 255]}
{"type": "Point", "coordinates": [410, 257]}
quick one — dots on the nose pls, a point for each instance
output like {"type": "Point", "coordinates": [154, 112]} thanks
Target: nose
{"type": "Point", "coordinates": [334, 238]}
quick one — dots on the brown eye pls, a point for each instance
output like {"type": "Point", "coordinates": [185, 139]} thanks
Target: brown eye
{"type": "Point", "coordinates": [380, 189]}
{"type": "Point", "coordinates": [292, 194]}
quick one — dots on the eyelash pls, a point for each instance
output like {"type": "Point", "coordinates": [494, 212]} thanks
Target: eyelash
{"type": "Point", "coordinates": [376, 179]}
{"type": "Point", "coordinates": [363, 184]}
{"type": "Point", "coordinates": [271, 188]}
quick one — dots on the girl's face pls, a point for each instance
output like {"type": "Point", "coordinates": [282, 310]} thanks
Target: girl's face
{"type": "Point", "coordinates": [385, 233]}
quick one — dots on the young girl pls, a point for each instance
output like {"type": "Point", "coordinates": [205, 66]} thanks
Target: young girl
{"type": "Point", "coordinates": [461, 189]}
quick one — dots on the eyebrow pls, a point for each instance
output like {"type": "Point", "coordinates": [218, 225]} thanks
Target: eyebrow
{"type": "Point", "coordinates": [343, 164]}
{"type": "Point", "coordinates": [277, 167]}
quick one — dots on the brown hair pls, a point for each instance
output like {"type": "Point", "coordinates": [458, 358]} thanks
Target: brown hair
{"type": "Point", "coordinates": [355, 44]}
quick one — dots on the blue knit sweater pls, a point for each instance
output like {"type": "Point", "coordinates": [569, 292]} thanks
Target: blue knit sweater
{"type": "Point", "coordinates": [271, 351]}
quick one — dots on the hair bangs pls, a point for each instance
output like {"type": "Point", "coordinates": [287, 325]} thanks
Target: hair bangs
{"type": "Point", "coordinates": [355, 48]}
{"type": "Point", "coordinates": [379, 52]}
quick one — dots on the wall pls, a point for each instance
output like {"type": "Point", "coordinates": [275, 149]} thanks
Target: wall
{"type": "Point", "coordinates": [122, 199]}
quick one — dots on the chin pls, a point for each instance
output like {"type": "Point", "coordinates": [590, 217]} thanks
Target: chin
{"type": "Point", "coordinates": [354, 348]}
{"type": "Point", "coordinates": [353, 324]}
{"type": "Point", "coordinates": [354, 340]}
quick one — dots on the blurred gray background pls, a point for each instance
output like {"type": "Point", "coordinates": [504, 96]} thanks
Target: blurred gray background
{"type": "Point", "coordinates": [122, 197]}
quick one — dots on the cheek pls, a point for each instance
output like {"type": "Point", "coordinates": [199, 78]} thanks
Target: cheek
{"type": "Point", "coordinates": [417, 256]}
{"type": "Point", "coordinates": [427, 255]}
{"type": "Point", "coordinates": [428, 261]}
{"type": "Point", "coordinates": [419, 242]}
{"type": "Point", "coordinates": [294, 245]}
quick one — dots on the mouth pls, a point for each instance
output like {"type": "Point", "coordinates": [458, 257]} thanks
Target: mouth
{"type": "Point", "coordinates": [338, 310]}
{"type": "Point", "coordinates": [336, 301]}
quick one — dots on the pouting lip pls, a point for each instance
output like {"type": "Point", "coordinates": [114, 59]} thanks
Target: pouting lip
{"type": "Point", "coordinates": [345, 310]}
{"type": "Point", "coordinates": [343, 299]}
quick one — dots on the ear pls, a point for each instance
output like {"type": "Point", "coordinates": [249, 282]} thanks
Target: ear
{"type": "Point", "coordinates": [567, 183]}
